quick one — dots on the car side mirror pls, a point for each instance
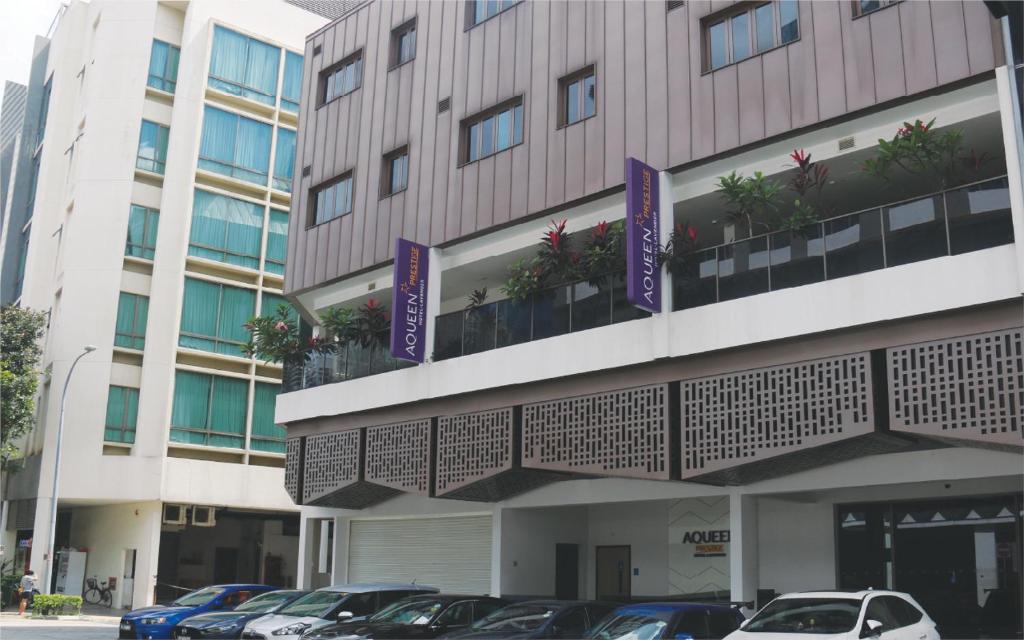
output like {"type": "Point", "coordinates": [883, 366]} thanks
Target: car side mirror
{"type": "Point", "coordinates": [872, 629]}
{"type": "Point", "coordinates": [345, 615]}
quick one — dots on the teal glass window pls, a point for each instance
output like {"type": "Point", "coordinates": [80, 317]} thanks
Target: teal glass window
{"type": "Point", "coordinates": [266, 435]}
{"type": "Point", "coordinates": [291, 86]}
{"type": "Point", "coordinates": [209, 410]}
{"type": "Point", "coordinates": [226, 229]}
{"type": "Point", "coordinates": [213, 317]}
{"type": "Point", "coordinates": [235, 146]}
{"type": "Point", "coordinates": [152, 154]}
{"type": "Point", "coordinates": [163, 66]}
{"type": "Point", "coordinates": [244, 66]}
{"type": "Point", "coordinates": [44, 110]}
{"type": "Point", "coordinates": [271, 303]}
{"type": "Point", "coordinates": [132, 314]}
{"type": "Point", "coordinates": [122, 414]}
{"type": "Point", "coordinates": [142, 225]}
{"type": "Point", "coordinates": [277, 242]}
{"type": "Point", "coordinates": [284, 160]}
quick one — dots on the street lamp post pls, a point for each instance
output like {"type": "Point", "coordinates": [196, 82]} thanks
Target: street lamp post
{"type": "Point", "coordinates": [48, 585]}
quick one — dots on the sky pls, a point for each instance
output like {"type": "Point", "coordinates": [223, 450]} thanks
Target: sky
{"type": "Point", "coordinates": [20, 22]}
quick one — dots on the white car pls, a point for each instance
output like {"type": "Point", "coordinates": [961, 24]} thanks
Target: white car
{"type": "Point", "coordinates": [327, 606]}
{"type": "Point", "coordinates": [839, 615]}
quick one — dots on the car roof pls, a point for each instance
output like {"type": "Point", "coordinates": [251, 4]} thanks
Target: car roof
{"type": "Point", "coordinates": [452, 597]}
{"type": "Point", "coordinates": [566, 603]}
{"type": "Point", "coordinates": [363, 587]}
{"type": "Point", "coordinates": [840, 594]}
{"type": "Point", "coordinates": [661, 607]}
{"type": "Point", "coordinates": [239, 587]}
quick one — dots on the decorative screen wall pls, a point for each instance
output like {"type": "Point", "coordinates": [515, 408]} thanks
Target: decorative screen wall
{"type": "Point", "coordinates": [619, 433]}
{"type": "Point", "coordinates": [968, 388]}
{"type": "Point", "coordinates": [473, 446]}
{"type": "Point", "coordinates": [398, 456]}
{"type": "Point", "coordinates": [737, 418]}
{"type": "Point", "coordinates": [291, 467]}
{"type": "Point", "coordinates": [331, 464]}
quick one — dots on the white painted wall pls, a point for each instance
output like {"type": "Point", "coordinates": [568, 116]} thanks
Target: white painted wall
{"type": "Point", "coordinates": [789, 529]}
{"type": "Point", "coordinates": [644, 527]}
{"type": "Point", "coordinates": [528, 539]}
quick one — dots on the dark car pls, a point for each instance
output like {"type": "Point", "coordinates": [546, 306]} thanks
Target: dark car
{"type": "Point", "coordinates": [668, 620]}
{"type": "Point", "coordinates": [229, 624]}
{"type": "Point", "coordinates": [159, 621]}
{"type": "Point", "coordinates": [414, 618]}
{"type": "Point", "coordinates": [538, 619]}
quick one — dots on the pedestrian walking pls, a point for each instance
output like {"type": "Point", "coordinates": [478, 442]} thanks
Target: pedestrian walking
{"type": "Point", "coordinates": [28, 588]}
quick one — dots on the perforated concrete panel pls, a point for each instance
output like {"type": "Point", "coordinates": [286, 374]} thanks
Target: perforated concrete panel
{"type": "Point", "coordinates": [331, 464]}
{"type": "Point", "coordinates": [473, 446]}
{"type": "Point", "coordinates": [398, 456]}
{"type": "Point", "coordinates": [292, 467]}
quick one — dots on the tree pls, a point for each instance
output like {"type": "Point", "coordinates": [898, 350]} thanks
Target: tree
{"type": "Point", "coordinates": [20, 351]}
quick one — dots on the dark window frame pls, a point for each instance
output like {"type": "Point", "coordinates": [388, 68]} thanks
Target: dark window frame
{"type": "Point", "coordinates": [467, 123]}
{"type": "Point", "coordinates": [564, 83]}
{"type": "Point", "coordinates": [725, 18]}
{"type": "Point", "coordinates": [324, 77]}
{"type": "Point", "coordinates": [470, 15]}
{"type": "Point", "coordinates": [395, 54]}
{"type": "Point", "coordinates": [325, 185]}
{"type": "Point", "coordinates": [386, 171]}
{"type": "Point", "coordinates": [858, 11]}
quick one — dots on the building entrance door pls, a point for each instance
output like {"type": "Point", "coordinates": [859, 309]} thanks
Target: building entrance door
{"type": "Point", "coordinates": [960, 558]}
{"type": "Point", "coordinates": [567, 571]}
{"type": "Point", "coordinates": [613, 573]}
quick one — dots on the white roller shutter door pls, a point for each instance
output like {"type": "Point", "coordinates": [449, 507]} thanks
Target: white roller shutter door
{"type": "Point", "coordinates": [452, 554]}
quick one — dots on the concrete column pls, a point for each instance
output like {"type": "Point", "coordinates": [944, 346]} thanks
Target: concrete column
{"type": "Point", "coordinates": [306, 553]}
{"type": "Point", "coordinates": [663, 327]}
{"type": "Point", "coordinates": [147, 559]}
{"type": "Point", "coordinates": [339, 572]}
{"type": "Point", "coordinates": [1013, 165]}
{"type": "Point", "coordinates": [743, 561]}
{"type": "Point", "coordinates": [496, 552]}
{"type": "Point", "coordinates": [433, 300]}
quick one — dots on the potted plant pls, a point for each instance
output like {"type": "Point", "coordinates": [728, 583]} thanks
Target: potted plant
{"type": "Point", "coordinates": [753, 201]}
{"type": "Point", "coordinates": [276, 338]}
{"type": "Point", "coordinates": [603, 252]}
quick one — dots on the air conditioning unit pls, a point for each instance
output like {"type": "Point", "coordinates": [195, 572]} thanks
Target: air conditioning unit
{"type": "Point", "coordinates": [175, 514]}
{"type": "Point", "coordinates": [204, 516]}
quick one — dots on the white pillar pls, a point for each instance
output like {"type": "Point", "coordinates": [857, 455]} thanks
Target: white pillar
{"type": "Point", "coordinates": [1013, 166]}
{"type": "Point", "coordinates": [302, 573]}
{"type": "Point", "coordinates": [743, 561]}
{"type": "Point", "coordinates": [433, 300]}
{"type": "Point", "coordinates": [147, 558]}
{"type": "Point", "coordinates": [496, 552]}
{"type": "Point", "coordinates": [662, 339]}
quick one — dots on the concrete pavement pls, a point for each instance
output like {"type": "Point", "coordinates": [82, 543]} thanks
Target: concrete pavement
{"type": "Point", "coordinates": [15, 628]}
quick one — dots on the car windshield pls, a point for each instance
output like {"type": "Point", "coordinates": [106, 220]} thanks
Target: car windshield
{"type": "Point", "coordinates": [806, 615]}
{"type": "Point", "coordinates": [632, 626]}
{"type": "Point", "coordinates": [198, 598]}
{"type": "Point", "coordinates": [517, 618]}
{"type": "Point", "coordinates": [409, 612]}
{"type": "Point", "coordinates": [265, 603]}
{"type": "Point", "coordinates": [317, 604]}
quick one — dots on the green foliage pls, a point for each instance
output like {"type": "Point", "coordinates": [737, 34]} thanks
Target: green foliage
{"type": "Point", "coordinates": [681, 243]}
{"type": "Point", "coordinates": [920, 150]}
{"type": "Point", "coordinates": [525, 278]}
{"type": "Point", "coordinates": [20, 351]}
{"type": "Point", "coordinates": [803, 214]}
{"type": "Point", "coordinates": [8, 586]}
{"type": "Point", "coordinates": [372, 323]}
{"type": "Point", "coordinates": [603, 252]}
{"type": "Point", "coordinates": [477, 299]}
{"type": "Point", "coordinates": [276, 338]}
{"type": "Point", "coordinates": [753, 200]}
{"type": "Point", "coordinates": [338, 325]}
{"type": "Point", "coordinates": [56, 604]}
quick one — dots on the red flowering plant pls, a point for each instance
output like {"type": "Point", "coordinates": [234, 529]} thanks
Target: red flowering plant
{"type": "Point", "coordinates": [372, 322]}
{"type": "Point", "coordinates": [603, 251]}
{"type": "Point", "coordinates": [555, 256]}
{"type": "Point", "coordinates": [808, 184]}
{"type": "Point", "coordinates": [921, 150]}
{"type": "Point", "coordinates": [276, 338]}
{"type": "Point", "coordinates": [681, 243]}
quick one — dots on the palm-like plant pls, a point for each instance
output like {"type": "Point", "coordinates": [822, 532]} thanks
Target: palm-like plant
{"type": "Point", "coordinates": [753, 200]}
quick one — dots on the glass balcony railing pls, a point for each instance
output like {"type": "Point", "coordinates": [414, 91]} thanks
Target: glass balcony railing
{"type": "Point", "coordinates": [566, 308]}
{"type": "Point", "coordinates": [968, 218]}
{"type": "Point", "coordinates": [351, 361]}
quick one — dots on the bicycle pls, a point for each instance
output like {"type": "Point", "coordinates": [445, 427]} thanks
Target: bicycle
{"type": "Point", "coordinates": [98, 593]}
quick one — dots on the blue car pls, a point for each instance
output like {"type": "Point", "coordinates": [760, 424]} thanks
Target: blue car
{"type": "Point", "coordinates": [229, 624]}
{"type": "Point", "coordinates": [159, 621]}
{"type": "Point", "coordinates": [668, 621]}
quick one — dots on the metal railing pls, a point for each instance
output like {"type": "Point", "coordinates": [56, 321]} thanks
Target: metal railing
{"type": "Point", "coordinates": [351, 360]}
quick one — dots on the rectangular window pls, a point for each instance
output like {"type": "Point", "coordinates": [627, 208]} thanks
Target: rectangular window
{"type": "Point", "coordinates": [235, 146]}
{"type": "Point", "coordinates": [578, 95]}
{"type": "Point", "coordinates": [736, 34]}
{"type": "Point", "coordinates": [244, 66]}
{"type": "Point", "coordinates": [213, 317]}
{"type": "Point", "coordinates": [341, 79]}
{"type": "Point", "coordinates": [494, 130]}
{"type": "Point", "coordinates": [864, 7]}
{"type": "Point", "coordinates": [142, 225]}
{"type": "Point", "coordinates": [209, 410]}
{"type": "Point", "coordinates": [277, 242]}
{"type": "Point", "coordinates": [132, 314]}
{"type": "Point", "coordinates": [163, 66]}
{"type": "Point", "coordinates": [291, 86]}
{"type": "Point", "coordinates": [394, 176]}
{"type": "Point", "coordinates": [271, 302]}
{"type": "Point", "coordinates": [403, 44]}
{"type": "Point", "coordinates": [479, 10]}
{"type": "Point", "coordinates": [226, 229]}
{"type": "Point", "coordinates": [152, 155]}
{"type": "Point", "coordinates": [44, 111]}
{"type": "Point", "coordinates": [122, 414]}
{"type": "Point", "coordinates": [266, 436]}
{"type": "Point", "coordinates": [332, 200]}
{"type": "Point", "coordinates": [284, 160]}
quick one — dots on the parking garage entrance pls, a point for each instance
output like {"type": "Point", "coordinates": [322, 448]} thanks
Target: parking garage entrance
{"type": "Point", "coordinates": [960, 558]}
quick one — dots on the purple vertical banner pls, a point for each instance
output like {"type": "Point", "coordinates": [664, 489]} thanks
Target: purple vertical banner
{"type": "Point", "coordinates": [643, 276]}
{"type": "Point", "coordinates": [409, 301]}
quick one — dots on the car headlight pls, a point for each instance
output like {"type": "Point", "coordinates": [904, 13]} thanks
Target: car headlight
{"type": "Point", "coordinates": [292, 629]}
{"type": "Point", "coordinates": [157, 620]}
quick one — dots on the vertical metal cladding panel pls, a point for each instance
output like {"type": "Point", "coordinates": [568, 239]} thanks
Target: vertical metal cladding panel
{"type": "Point", "coordinates": [736, 418]}
{"type": "Point", "coordinates": [332, 463]}
{"type": "Point", "coordinates": [398, 456]}
{"type": "Point", "coordinates": [619, 433]}
{"type": "Point", "coordinates": [472, 447]}
{"type": "Point", "coordinates": [970, 387]}
{"type": "Point", "coordinates": [292, 468]}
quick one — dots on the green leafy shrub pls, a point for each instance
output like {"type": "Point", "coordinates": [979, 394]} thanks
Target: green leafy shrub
{"type": "Point", "coordinates": [8, 586]}
{"type": "Point", "coordinates": [56, 604]}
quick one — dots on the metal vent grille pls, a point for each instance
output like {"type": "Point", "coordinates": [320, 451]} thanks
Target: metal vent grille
{"type": "Point", "coordinates": [291, 467]}
{"type": "Point", "coordinates": [674, 4]}
{"type": "Point", "coordinates": [970, 387]}
{"type": "Point", "coordinates": [398, 456]}
{"type": "Point", "coordinates": [317, 49]}
{"type": "Point", "coordinates": [847, 143]}
{"type": "Point", "coordinates": [444, 105]}
{"type": "Point", "coordinates": [331, 463]}
{"type": "Point", "coordinates": [733, 419]}
{"type": "Point", "coordinates": [620, 433]}
{"type": "Point", "coordinates": [473, 446]}
{"type": "Point", "coordinates": [306, 171]}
